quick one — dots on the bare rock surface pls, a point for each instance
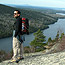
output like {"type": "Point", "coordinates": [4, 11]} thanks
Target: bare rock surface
{"type": "Point", "coordinates": [40, 59]}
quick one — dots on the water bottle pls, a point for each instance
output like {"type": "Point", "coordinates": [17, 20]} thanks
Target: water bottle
{"type": "Point", "coordinates": [22, 26]}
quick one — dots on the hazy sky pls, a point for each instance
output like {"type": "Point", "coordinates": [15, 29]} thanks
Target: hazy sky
{"type": "Point", "coordinates": [46, 3]}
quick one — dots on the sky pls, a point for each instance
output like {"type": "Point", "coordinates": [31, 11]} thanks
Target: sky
{"type": "Point", "coordinates": [41, 3]}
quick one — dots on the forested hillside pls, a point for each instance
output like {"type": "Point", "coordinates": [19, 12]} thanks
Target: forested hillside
{"type": "Point", "coordinates": [37, 20]}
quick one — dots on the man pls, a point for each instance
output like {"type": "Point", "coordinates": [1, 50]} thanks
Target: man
{"type": "Point", "coordinates": [17, 51]}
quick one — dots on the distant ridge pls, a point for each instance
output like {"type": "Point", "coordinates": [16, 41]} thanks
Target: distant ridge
{"type": "Point", "coordinates": [30, 6]}
{"type": "Point", "coordinates": [38, 19]}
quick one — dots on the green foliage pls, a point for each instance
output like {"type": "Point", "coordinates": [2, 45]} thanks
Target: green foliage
{"type": "Point", "coordinates": [49, 39]}
{"type": "Point", "coordinates": [38, 49]}
{"type": "Point", "coordinates": [57, 36]}
{"type": "Point", "coordinates": [62, 34]}
{"type": "Point", "coordinates": [38, 41]}
{"type": "Point", "coordinates": [32, 29]}
{"type": "Point", "coordinates": [39, 37]}
{"type": "Point", "coordinates": [37, 21]}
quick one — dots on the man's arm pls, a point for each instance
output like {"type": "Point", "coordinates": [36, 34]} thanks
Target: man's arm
{"type": "Point", "coordinates": [17, 27]}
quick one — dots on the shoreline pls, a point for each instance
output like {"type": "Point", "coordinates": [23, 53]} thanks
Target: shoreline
{"type": "Point", "coordinates": [29, 33]}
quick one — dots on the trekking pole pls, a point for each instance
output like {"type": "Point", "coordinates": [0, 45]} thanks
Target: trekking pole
{"type": "Point", "coordinates": [22, 44]}
{"type": "Point", "coordinates": [22, 48]}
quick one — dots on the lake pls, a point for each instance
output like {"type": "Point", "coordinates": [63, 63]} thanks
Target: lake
{"type": "Point", "coordinates": [6, 43]}
{"type": "Point", "coordinates": [54, 28]}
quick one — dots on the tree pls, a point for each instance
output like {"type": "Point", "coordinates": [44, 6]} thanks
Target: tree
{"type": "Point", "coordinates": [57, 36]}
{"type": "Point", "coordinates": [49, 40]}
{"type": "Point", "coordinates": [62, 34]}
{"type": "Point", "coordinates": [38, 41]}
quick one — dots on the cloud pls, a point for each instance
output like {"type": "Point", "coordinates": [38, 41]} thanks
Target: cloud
{"type": "Point", "coordinates": [47, 3]}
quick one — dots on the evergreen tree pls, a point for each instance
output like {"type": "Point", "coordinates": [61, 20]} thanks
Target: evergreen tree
{"type": "Point", "coordinates": [49, 40]}
{"type": "Point", "coordinates": [57, 36]}
{"type": "Point", "coordinates": [38, 41]}
{"type": "Point", "coordinates": [62, 34]}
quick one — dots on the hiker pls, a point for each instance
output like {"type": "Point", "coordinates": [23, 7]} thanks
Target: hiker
{"type": "Point", "coordinates": [17, 41]}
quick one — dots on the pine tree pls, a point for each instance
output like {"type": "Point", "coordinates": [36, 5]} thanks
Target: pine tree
{"type": "Point", "coordinates": [62, 34]}
{"type": "Point", "coordinates": [57, 36]}
{"type": "Point", "coordinates": [39, 39]}
{"type": "Point", "coordinates": [49, 40]}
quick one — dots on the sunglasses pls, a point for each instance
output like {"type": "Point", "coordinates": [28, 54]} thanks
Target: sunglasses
{"type": "Point", "coordinates": [15, 13]}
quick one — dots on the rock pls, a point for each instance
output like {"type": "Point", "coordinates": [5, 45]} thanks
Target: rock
{"type": "Point", "coordinates": [57, 47]}
{"type": "Point", "coordinates": [41, 59]}
{"type": "Point", "coordinates": [47, 47]}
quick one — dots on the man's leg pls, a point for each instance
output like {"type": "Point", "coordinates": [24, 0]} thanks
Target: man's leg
{"type": "Point", "coordinates": [22, 51]}
{"type": "Point", "coordinates": [15, 48]}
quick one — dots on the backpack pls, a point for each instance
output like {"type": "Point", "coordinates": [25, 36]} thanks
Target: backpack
{"type": "Point", "coordinates": [25, 26]}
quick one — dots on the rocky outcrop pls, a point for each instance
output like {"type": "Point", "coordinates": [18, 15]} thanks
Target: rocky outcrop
{"type": "Point", "coordinates": [40, 59]}
{"type": "Point", "coordinates": [53, 56]}
{"type": "Point", "coordinates": [57, 47]}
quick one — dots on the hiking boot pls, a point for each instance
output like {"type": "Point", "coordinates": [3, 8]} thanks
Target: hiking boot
{"type": "Point", "coordinates": [13, 61]}
{"type": "Point", "coordinates": [20, 58]}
